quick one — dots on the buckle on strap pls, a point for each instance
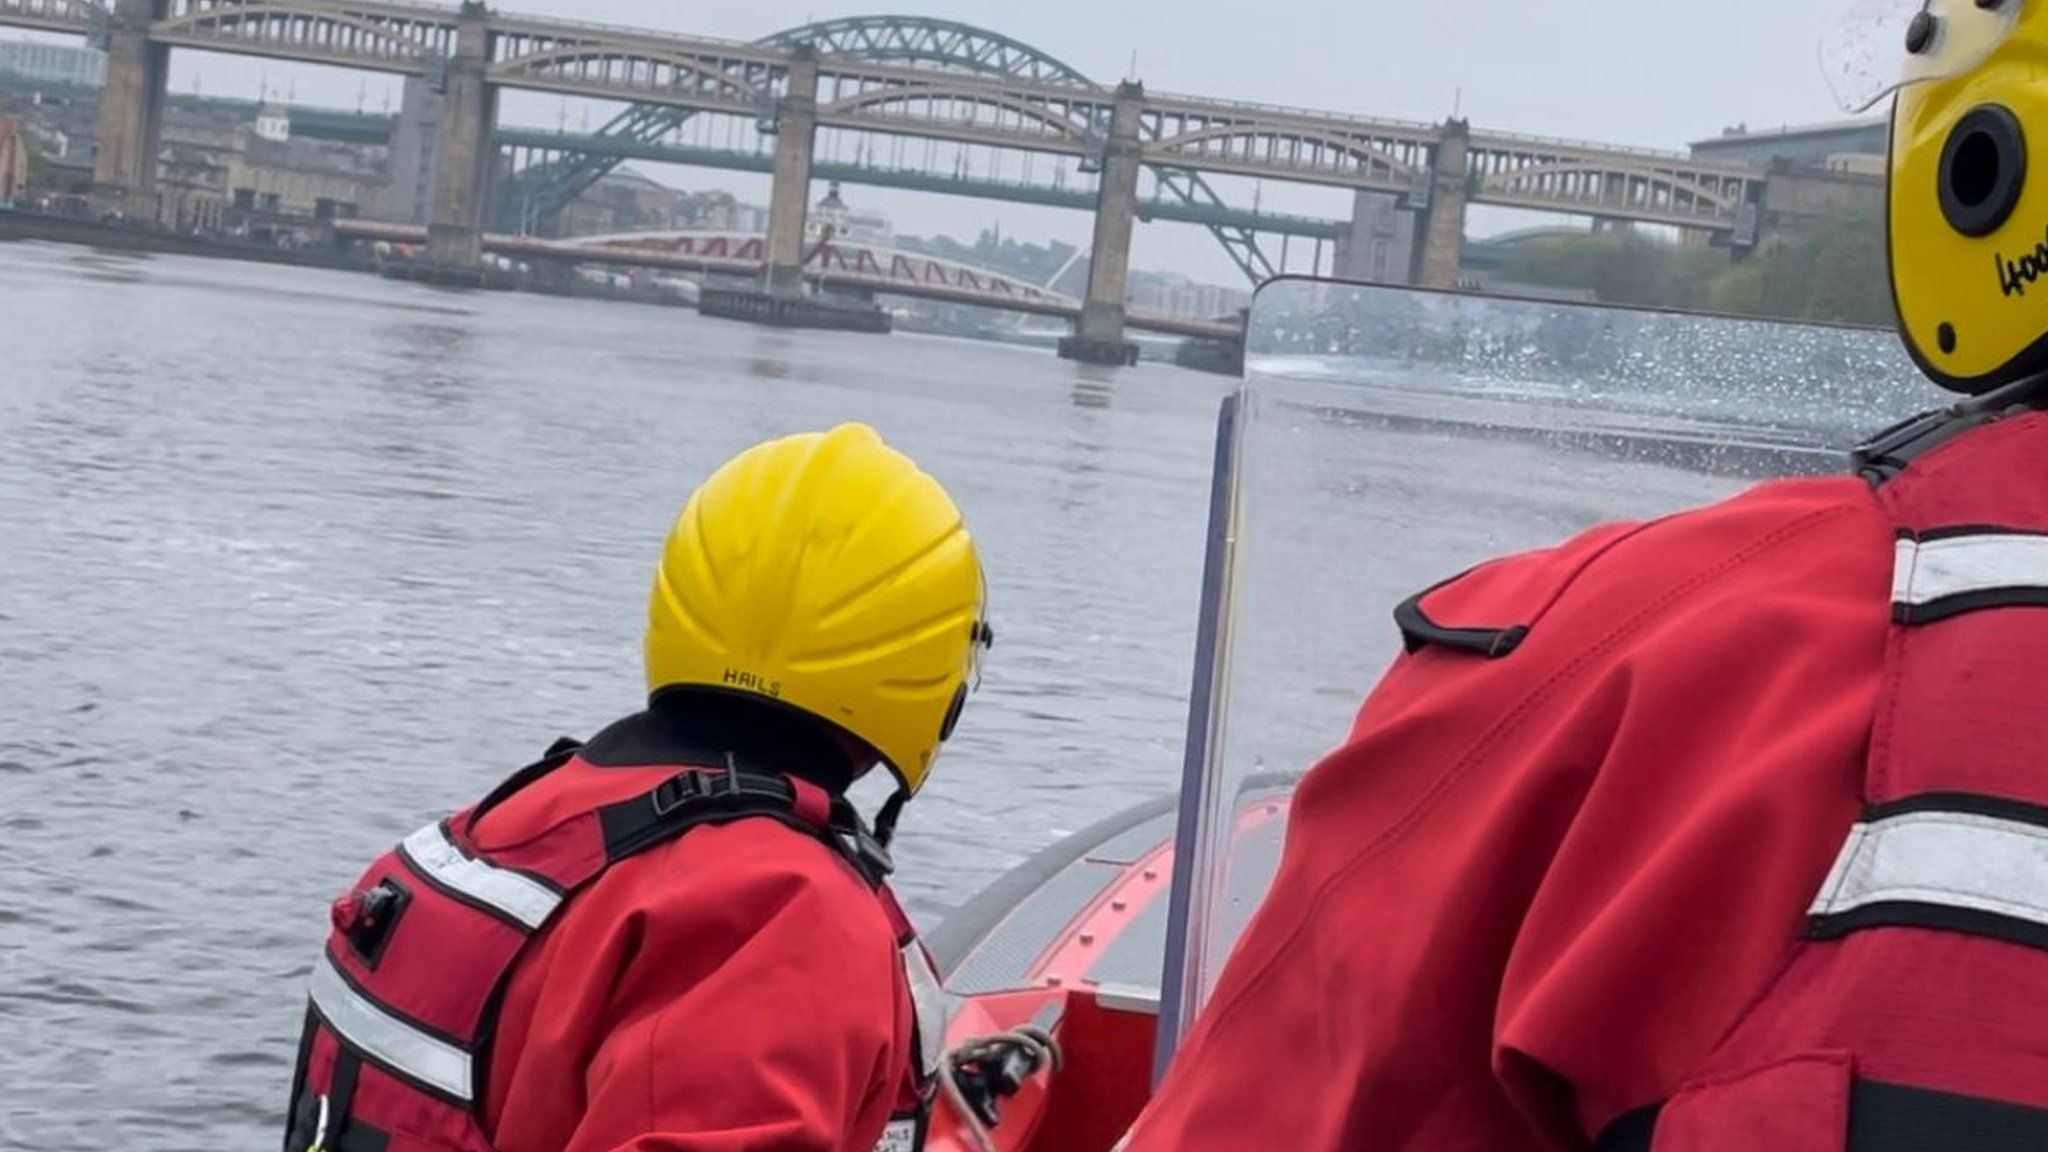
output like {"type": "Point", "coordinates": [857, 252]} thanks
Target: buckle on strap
{"type": "Point", "coordinates": [861, 846]}
{"type": "Point", "coordinates": [678, 790]}
{"type": "Point", "coordinates": [728, 788]}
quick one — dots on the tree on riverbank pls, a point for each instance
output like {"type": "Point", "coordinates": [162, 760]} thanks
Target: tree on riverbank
{"type": "Point", "coordinates": [1834, 271]}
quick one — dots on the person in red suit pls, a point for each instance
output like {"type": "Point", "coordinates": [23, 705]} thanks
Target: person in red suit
{"type": "Point", "coordinates": [1723, 833]}
{"type": "Point", "coordinates": [678, 937]}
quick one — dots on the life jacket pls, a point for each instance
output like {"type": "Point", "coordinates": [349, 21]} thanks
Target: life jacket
{"type": "Point", "coordinates": [403, 1003]}
{"type": "Point", "coordinates": [1912, 1016]}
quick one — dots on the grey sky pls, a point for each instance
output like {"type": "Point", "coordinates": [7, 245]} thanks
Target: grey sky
{"type": "Point", "coordinates": [1657, 73]}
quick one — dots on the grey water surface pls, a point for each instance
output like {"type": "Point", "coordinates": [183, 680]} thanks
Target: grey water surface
{"type": "Point", "coordinates": [292, 562]}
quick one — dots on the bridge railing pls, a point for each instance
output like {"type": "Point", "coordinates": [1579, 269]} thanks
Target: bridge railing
{"type": "Point", "coordinates": [404, 9]}
{"type": "Point", "coordinates": [517, 23]}
{"type": "Point", "coordinates": [1238, 107]}
{"type": "Point", "coordinates": [1508, 141]}
{"type": "Point", "coordinates": [1536, 142]}
{"type": "Point", "coordinates": [80, 13]}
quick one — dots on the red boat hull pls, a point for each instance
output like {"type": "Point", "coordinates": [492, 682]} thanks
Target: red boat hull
{"type": "Point", "coordinates": [1074, 942]}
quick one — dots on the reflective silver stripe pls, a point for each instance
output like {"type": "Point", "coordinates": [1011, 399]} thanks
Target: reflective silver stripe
{"type": "Point", "coordinates": [387, 1039]}
{"type": "Point", "coordinates": [1952, 859]}
{"type": "Point", "coordinates": [520, 897]}
{"type": "Point", "coordinates": [1932, 570]}
{"type": "Point", "coordinates": [899, 1136]}
{"type": "Point", "coordinates": [930, 1000]}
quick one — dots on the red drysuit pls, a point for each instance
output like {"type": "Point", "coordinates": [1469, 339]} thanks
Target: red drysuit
{"type": "Point", "coordinates": [1738, 814]}
{"type": "Point", "coordinates": [623, 955]}
{"type": "Point", "coordinates": [734, 989]}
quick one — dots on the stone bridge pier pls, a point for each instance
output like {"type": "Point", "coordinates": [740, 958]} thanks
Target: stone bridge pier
{"type": "Point", "coordinates": [463, 155]}
{"type": "Point", "coordinates": [796, 131]}
{"type": "Point", "coordinates": [131, 114]}
{"type": "Point", "coordinates": [1440, 232]}
{"type": "Point", "coordinates": [1099, 337]}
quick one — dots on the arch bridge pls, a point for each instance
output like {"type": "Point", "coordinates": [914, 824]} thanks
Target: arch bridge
{"type": "Point", "coordinates": [876, 78]}
{"type": "Point", "coordinates": [843, 265]}
{"type": "Point", "coordinates": [862, 264]}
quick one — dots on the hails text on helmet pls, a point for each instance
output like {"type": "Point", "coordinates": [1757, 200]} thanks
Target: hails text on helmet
{"type": "Point", "coordinates": [752, 682]}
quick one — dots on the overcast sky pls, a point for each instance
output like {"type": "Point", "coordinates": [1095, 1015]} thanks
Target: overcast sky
{"type": "Point", "coordinates": [1657, 73]}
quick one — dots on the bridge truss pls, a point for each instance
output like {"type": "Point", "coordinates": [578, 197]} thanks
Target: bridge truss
{"type": "Point", "coordinates": [541, 191]}
{"type": "Point", "coordinates": [80, 16]}
{"type": "Point", "coordinates": [929, 79]}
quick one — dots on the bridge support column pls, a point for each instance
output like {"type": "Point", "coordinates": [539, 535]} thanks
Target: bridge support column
{"type": "Point", "coordinates": [131, 114]}
{"type": "Point", "coordinates": [1379, 247]}
{"type": "Point", "coordinates": [1099, 338]}
{"type": "Point", "coordinates": [463, 155]}
{"type": "Point", "coordinates": [1440, 234]}
{"type": "Point", "coordinates": [796, 130]}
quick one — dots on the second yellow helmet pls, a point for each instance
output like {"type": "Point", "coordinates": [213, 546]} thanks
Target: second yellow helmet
{"type": "Point", "coordinates": [1968, 220]}
{"type": "Point", "coordinates": [827, 573]}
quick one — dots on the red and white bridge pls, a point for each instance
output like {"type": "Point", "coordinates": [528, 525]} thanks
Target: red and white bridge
{"type": "Point", "coordinates": [833, 260]}
{"type": "Point", "coordinates": [846, 265]}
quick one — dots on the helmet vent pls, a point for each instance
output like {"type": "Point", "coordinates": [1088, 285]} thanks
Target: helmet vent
{"type": "Point", "coordinates": [1983, 170]}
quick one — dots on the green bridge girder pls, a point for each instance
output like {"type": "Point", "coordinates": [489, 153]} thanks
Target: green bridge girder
{"type": "Point", "coordinates": [915, 180]}
{"type": "Point", "coordinates": [365, 128]}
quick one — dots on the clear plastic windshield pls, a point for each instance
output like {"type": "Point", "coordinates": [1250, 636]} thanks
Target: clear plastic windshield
{"type": "Point", "coordinates": [1877, 47]}
{"type": "Point", "coordinates": [1387, 439]}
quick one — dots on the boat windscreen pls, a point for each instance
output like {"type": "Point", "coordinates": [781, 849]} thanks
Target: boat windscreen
{"type": "Point", "coordinates": [1389, 438]}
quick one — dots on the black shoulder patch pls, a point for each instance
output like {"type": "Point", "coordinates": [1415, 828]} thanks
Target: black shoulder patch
{"type": "Point", "coordinates": [1491, 610]}
{"type": "Point", "coordinates": [1419, 631]}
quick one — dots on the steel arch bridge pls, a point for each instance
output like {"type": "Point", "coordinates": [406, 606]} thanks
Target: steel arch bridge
{"type": "Point", "coordinates": [946, 45]}
{"type": "Point", "coordinates": [943, 84]}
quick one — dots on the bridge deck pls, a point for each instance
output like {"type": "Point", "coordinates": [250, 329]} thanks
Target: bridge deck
{"type": "Point", "coordinates": [1045, 111]}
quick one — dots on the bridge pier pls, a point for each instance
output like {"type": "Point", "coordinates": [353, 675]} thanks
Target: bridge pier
{"type": "Point", "coordinates": [463, 155]}
{"type": "Point", "coordinates": [1099, 337]}
{"type": "Point", "coordinates": [1379, 247]}
{"type": "Point", "coordinates": [131, 114]}
{"type": "Point", "coordinates": [796, 131]}
{"type": "Point", "coordinates": [1440, 234]}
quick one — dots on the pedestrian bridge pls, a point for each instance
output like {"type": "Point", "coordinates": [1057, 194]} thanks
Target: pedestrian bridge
{"type": "Point", "coordinates": [840, 261]}
{"type": "Point", "coordinates": [832, 265]}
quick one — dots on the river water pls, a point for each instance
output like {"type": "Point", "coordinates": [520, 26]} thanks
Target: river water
{"type": "Point", "coordinates": [293, 562]}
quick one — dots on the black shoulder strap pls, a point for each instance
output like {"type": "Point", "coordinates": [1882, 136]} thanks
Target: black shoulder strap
{"type": "Point", "coordinates": [700, 796]}
{"type": "Point", "coordinates": [1891, 1118]}
{"type": "Point", "coordinates": [559, 753]}
{"type": "Point", "coordinates": [1880, 459]}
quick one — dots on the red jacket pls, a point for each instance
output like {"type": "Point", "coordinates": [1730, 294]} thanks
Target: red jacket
{"type": "Point", "coordinates": [736, 988]}
{"type": "Point", "coordinates": [1532, 894]}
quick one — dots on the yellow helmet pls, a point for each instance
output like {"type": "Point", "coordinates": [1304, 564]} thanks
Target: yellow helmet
{"type": "Point", "coordinates": [825, 572]}
{"type": "Point", "coordinates": [1969, 228]}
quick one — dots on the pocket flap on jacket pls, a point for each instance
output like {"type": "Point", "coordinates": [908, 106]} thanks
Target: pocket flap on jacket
{"type": "Point", "coordinates": [1797, 1105]}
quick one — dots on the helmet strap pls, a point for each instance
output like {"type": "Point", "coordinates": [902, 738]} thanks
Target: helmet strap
{"type": "Point", "coordinates": [892, 811]}
{"type": "Point", "coordinates": [2026, 390]}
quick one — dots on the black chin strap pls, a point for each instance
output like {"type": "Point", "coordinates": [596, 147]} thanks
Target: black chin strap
{"type": "Point", "coordinates": [885, 820]}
